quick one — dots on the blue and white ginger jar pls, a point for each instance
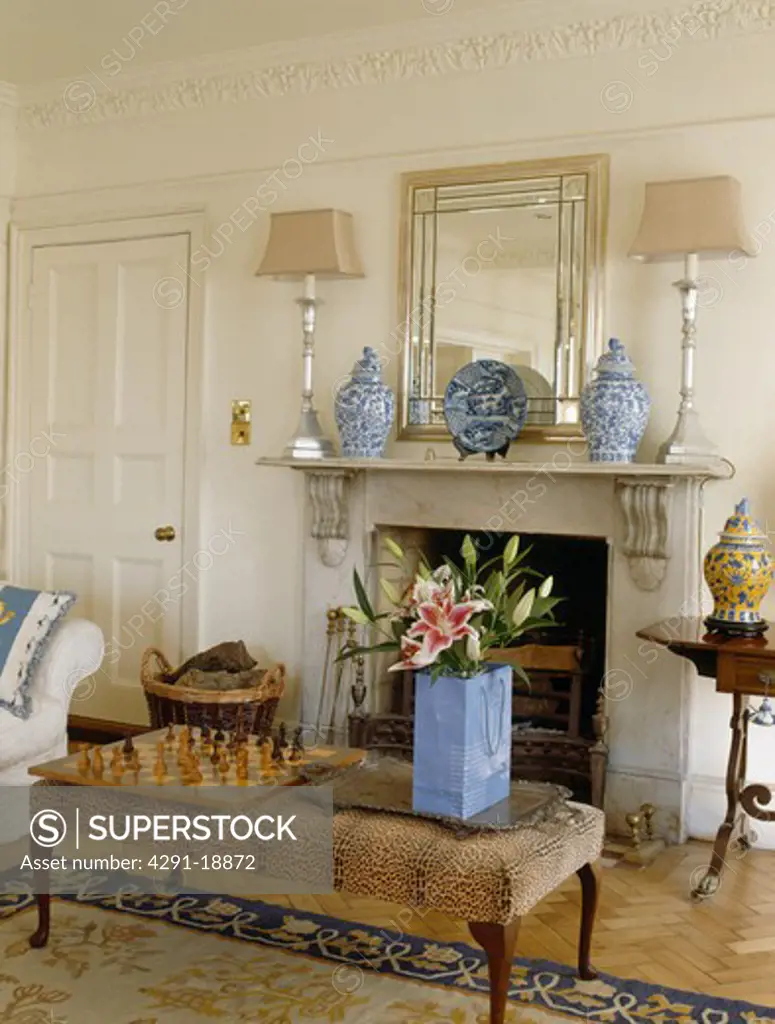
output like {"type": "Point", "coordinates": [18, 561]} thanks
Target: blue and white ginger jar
{"type": "Point", "coordinates": [614, 408]}
{"type": "Point", "coordinates": [365, 408]}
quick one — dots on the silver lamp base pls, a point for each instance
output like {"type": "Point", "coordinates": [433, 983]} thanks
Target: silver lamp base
{"type": "Point", "coordinates": [688, 444]}
{"type": "Point", "coordinates": [309, 441]}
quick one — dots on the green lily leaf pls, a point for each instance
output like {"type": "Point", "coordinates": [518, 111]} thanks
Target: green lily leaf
{"type": "Point", "coordinates": [522, 675]}
{"type": "Point", "coordinates": [351, 652]}
{"type": "Point", "coordinates": [363, 597]}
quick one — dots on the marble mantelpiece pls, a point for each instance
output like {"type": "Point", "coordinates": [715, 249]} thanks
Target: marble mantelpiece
{"type": "Point", "coordinates": [650, 517]}
{"type": "Point", "coordinates": [643, 492]}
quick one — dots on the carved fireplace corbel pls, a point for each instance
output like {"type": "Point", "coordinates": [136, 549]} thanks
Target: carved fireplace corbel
{"type": "Point", "coordinates": [646, 508]}
{"type": "Point", "coordinates": [329, 495]}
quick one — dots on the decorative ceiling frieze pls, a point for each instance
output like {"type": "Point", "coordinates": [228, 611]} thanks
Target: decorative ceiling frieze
{"type": "Point", "coordinates": [84, 101]}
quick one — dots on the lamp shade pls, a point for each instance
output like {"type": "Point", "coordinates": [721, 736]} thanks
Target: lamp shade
{"type": "Point", "coordinates": [319, 242]}
{"type": "Point", "coordinates": [692, 215]}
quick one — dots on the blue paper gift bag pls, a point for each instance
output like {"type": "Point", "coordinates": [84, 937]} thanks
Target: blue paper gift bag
{"type": "Point", "coordinates": [462, 742]}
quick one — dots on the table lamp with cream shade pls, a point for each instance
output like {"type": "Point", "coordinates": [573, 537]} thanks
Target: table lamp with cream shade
{"type": "Point", "coordinates": [305, 245]}
{"type": "Point", "coordinates": [685, 219]}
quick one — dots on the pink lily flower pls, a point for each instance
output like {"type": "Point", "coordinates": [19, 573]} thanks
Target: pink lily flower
{"type": "Point", "coordinates": [410, 652]}
{"type": "Point", "coordinates": [440, 624]}
{"type": "Point", "coordinates": [423, 590]}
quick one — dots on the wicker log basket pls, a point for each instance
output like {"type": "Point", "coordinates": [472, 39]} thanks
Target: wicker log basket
{"type": "Point", "coordinates": [249, 711]}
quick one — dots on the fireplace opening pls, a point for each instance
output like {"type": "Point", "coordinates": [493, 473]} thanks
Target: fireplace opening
{"type": "Point", "coordinates": [558, 724]}
{"type": "Point", "coordinates": [579, 566]}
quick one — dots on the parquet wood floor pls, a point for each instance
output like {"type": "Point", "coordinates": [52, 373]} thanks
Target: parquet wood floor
{"type": "Point", "coordinates": [647, 927]}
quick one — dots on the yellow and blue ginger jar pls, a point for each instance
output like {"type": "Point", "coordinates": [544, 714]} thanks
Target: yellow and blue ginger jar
{"type": "Point", "coordinates": [738, 570]}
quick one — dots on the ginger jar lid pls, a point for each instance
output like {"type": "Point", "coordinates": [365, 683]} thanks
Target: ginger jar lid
{"type": "Point", "coordinates": [742, 528]}
{"type": "Point", "coordinates": [368, 367]}
{"type": "Point", "coordinates": [615, 361]}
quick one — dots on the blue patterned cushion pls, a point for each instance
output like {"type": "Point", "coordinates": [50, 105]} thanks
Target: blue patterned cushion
{"type": "Point", "coordinates": [27, 617]}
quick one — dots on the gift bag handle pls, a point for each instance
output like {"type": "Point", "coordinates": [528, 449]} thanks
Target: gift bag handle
{"type": "Point", "coordinates": [493, 747]}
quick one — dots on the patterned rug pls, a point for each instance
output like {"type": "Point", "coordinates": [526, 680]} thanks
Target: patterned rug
{"type": "Point", "coordinates": [207, 960]}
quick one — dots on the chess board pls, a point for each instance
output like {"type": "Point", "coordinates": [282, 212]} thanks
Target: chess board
{"type": "Point", "coordinates": [182, 756]}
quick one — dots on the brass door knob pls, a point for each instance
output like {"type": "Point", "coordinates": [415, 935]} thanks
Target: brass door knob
{"type": "Point", "coordinates": [164, 533]}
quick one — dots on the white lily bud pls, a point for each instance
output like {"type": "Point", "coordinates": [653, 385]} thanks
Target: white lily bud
{"type": "Point", "coordinates": [511, 550]}
{"type": "Point", "coordinates": [473, 647]}
{"type": "Point", "coordinates": [356, 615]}
{"type": "Point", "coordinates": [546, 587]}
{"type": "Point", "coordinates": [468, 551]}
{"type": "Point", "coordinates": [394, 548]}
{"type": "Point", "coordinates": [524, 607]}
{"type": "Point", "coordinates": [390, 592]}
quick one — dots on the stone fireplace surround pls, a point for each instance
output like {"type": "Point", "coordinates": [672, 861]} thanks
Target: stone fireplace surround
{"type": "Point", "coordinates": [650, 516]}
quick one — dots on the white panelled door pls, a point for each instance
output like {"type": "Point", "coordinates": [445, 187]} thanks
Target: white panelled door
{"type": "Point", "coordinates": [106, 377]}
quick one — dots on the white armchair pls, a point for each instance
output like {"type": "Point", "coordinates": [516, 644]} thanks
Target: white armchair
{"type": "Point", "coordinates": [74, 652]}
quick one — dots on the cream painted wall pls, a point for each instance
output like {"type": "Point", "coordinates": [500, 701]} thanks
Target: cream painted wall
{"type": "Point", "coordinates": [706, 108]}
{"type": "Point", "coordinates": [8, 117]}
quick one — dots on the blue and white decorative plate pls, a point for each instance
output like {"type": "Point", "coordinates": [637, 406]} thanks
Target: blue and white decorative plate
{"type": "Point", "coordinates": [485, 407]}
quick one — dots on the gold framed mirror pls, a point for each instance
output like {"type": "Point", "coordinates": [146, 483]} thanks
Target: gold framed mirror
{"type": "Point", "coordinates": [502, 261]}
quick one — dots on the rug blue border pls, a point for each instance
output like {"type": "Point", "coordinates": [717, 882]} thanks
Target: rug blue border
{"type": "Point", "coordinates": [552, 987]}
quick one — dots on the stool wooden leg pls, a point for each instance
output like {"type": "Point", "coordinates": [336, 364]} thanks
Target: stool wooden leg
{"type": "Point", "coordinates": [499, 942]}
{"type": "Point", "coordinates": [40, 938]}
{"type": "Point", "coordinates": [588, 880]}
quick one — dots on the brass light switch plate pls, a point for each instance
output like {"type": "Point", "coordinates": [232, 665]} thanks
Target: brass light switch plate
{"type": "Point", "coordinates": [240, 421]}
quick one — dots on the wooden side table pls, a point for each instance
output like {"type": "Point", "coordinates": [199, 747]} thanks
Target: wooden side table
{"type": "Point", "coordinates": [743, 667]}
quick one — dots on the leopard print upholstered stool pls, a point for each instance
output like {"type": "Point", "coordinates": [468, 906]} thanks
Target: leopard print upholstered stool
{"type": "Point", "coordinates": [489, 879]}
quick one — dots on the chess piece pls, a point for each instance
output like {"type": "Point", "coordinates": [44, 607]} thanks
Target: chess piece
{"type": "Point", "coordinates": [223, 764]}
{"type": "Point", "coordinates": [184, 750]}
{"type": "Point", "coordinates": [219, 737]}
{"type": "Point", "coordinates": [84, 762]}
{"type": "Point", "coordinates": [170, 734]}
{"type": "Point", "coordinates": [266, 755]}
{"type": "Point", "coordinates": [187, 769]}
{"type": "Point", "coordinates": [297, 750]}
{"type": "Point", "coordinates": [134, 762]}
{"type": "Point", "coordinates": [205, 741]}
{"type": "Point", "coordinates": [116, 762]}
{"type": "Point", "coordinates": [185, 735]}
{"type": "Point", "coordinates": [242, 769]}
{"type": "Point", "coordinates": [160, 768]}
{"type": "Point", "coordinates": [128, 748]}
{"type": "Point", "coordinates": [282, 736]}
{"type": "Point", "coordinates": [98, 764]}
{"type": "Point", "coordinates": [215, 756]}
{"type": "Point", "coordinates": [278, 757]}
